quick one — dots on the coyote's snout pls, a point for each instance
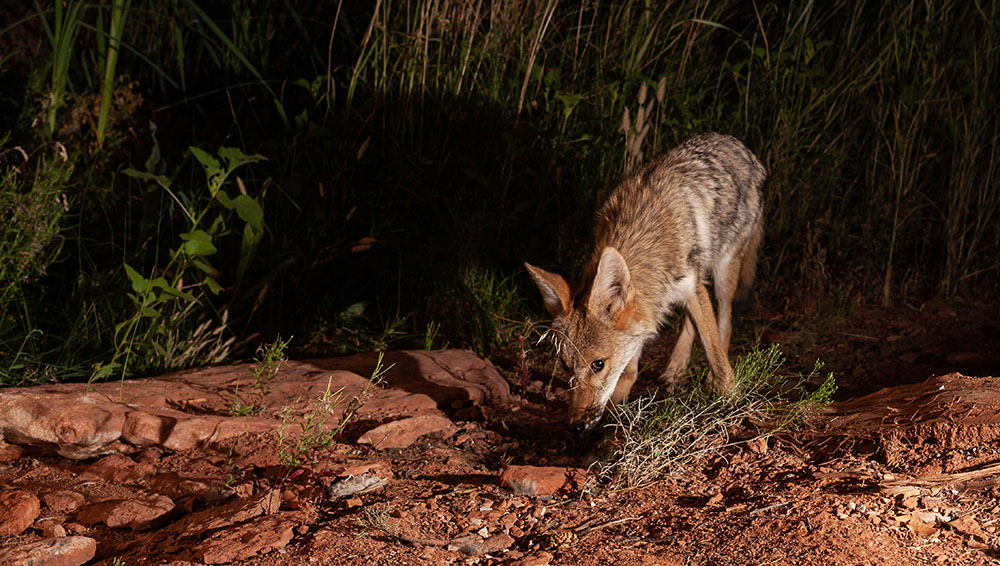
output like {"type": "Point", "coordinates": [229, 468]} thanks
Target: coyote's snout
{"type": "Point", "coordinates": [689, 216]}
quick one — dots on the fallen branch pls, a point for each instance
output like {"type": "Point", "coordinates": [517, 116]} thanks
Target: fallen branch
{"type": "Point", "coordinates": [942, 479]}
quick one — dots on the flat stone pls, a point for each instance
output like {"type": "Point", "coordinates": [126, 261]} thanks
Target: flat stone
{"type": "Point", "coordinates": [137, 514]}
{"type": "Point", "coordinates": [63, 500]}
{"type": "Point", "coordinates": [146, 429]}
{"type": "Point", "coordinates": [65, 551]}
{"type": "Point", "coordinates": [201, 523]}
{"type": "Point", "coordinates": [196, 431]}
{"type": "Point", "coordinates": [541, 558]}
{"type": "Point", "coordinates": [404, 432]}
{"type": "Point", "coordinates": [542, 480]}
{"type": "Point", "coordinates": [118, 468]}
{"type": "Point", "coordinates": [247, 540]}
{"type": "Point", "coordinates": [75, 425]}
{"type": "Point", "coordinates": [498, 543]}
{"type": "Point", "coordinates": [355, 485]}
{"type": "Point", "coordinates": [443, 375]}
{"type": "Point", "coordinates": [242, 510]}
{"type": "Point", "coordinates": [969, 526]}
{"type": "Point", "coordinates": [20, 509]}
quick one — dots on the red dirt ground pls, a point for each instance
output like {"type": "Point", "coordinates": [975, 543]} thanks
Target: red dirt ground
{"type": "Point", "coordinates": [901, 470]}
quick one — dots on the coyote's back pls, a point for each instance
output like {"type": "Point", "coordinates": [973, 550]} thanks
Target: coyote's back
{"type": "Point", "coordinates": [687, 211]}
{"type": "Point", "coordinates": [690, 216]}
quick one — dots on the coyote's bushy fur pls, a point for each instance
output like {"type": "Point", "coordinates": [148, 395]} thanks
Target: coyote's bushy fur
{"type": "Point", "coordinates": [691, 215]}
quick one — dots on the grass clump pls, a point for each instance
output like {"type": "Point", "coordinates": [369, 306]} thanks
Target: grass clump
{"type": "Point", "coordinates": [315, 432]}
{"type": "Point", "coordinates": [653, 437]}
{"type": "Point", "coordinates": [269, 356]}
{"type": "Point", "coordinates": [374, 518]}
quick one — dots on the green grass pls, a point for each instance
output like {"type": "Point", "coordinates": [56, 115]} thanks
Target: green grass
{"type": "Point", "coordinates": [419, 152]}
{"type": "Point", "coordinates": [651, 437]}
{"type": "Point", "coordinates": [265, 368]}
{"type": "Point", "coordinates": [318, 429]}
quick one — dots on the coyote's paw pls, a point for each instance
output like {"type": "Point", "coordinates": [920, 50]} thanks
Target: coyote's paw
{"type": "Point", "coordinates": [723, 387]}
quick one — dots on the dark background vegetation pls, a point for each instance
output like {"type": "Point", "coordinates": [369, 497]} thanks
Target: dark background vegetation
{"type": "Point", "coordinates": [398, 160]}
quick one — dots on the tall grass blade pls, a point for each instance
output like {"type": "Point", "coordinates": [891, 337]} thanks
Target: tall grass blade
{"type": "Point", "coordinates": [119, 12]}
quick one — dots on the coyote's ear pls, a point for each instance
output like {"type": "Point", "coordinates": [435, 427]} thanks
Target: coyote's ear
{"type": "Point", "coordinates": [555, 291]}
{"type": "Point", "coordinates": [612, 290]}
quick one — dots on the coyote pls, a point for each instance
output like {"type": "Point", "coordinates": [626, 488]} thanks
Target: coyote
{"type": "Point", "coordinates": [692, 214]}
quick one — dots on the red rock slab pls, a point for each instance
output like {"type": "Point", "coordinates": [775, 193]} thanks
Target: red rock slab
{"type": "Point", "coordinates": [443, 375]}
{"type": "Point", "coordinates": [77, 425]}
{"type": "Point", "coordinates": [87, 424]}
{"type": "Point", "coordinates": [63, 500]}
{"type": "Point", "coordinates": [18, 510]}
{"type": "Point", "coordinates": [65, 551]}
{"type": "Point", "coordinates": [138, 514]}
{"type": "Point", "coordinates": [117, 468]}
{"type": "Point", "coordinates": [542, 480]}
{"type": "Point", "coordinates": [242, 510]}
{"type": "Point", "coordinates": [247, 540]}
{"type": "Point", "coordinates": [189, 410]}
{"type": "Point", "coordinates": [541, 558]}
{"type": "Point", "coordinates": [404, 432]}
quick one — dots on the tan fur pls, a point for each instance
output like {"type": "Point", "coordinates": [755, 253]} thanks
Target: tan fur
{"type": "Point", "coordinates": [690, 216]}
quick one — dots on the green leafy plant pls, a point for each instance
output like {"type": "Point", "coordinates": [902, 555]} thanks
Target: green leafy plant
{"type": "Point", "coordinates": [269, 357]}
{"type": "Point", "coordinates": [159, 299]}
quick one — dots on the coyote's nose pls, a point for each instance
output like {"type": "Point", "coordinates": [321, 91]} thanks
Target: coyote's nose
{"type": "Point", "coordinates": [577, 428]}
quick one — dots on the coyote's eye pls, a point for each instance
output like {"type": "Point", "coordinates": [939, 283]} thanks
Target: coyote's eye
{"type": "Point", "coordinates": [597, 365]}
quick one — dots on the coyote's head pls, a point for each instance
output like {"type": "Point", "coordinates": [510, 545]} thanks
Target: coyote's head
{"type": "Point", "coordinates": [597, 330]}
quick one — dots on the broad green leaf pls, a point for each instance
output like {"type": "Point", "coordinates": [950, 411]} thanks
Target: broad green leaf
{"type": "Point", "coordinates": [213, 285]}
{"type": "Point", "coordinates": [235, 158]}
{"type": "Point", "coordinates": [203, 266]}
{"type": "Point", "coordinates": [211, 164]}
{"type": "Point", "coordinates": [251, 238]}
{"type": "Point", "coordinates": [139, 283]}
{"type": "Point", "coordinates": [250, 211]}
{"type": "Point", "coordinates": [357, 309]}
{"type": "Point", "coordinates": [173, 291]}
{"type": "Point", "coordinates": [224, 200]}
{"type": "Point", "coordinates": [150, 312]}
{"type": "Point", "coordinates": [198, 243]}
{"type": "Point", "coordinates": [213, 170]}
